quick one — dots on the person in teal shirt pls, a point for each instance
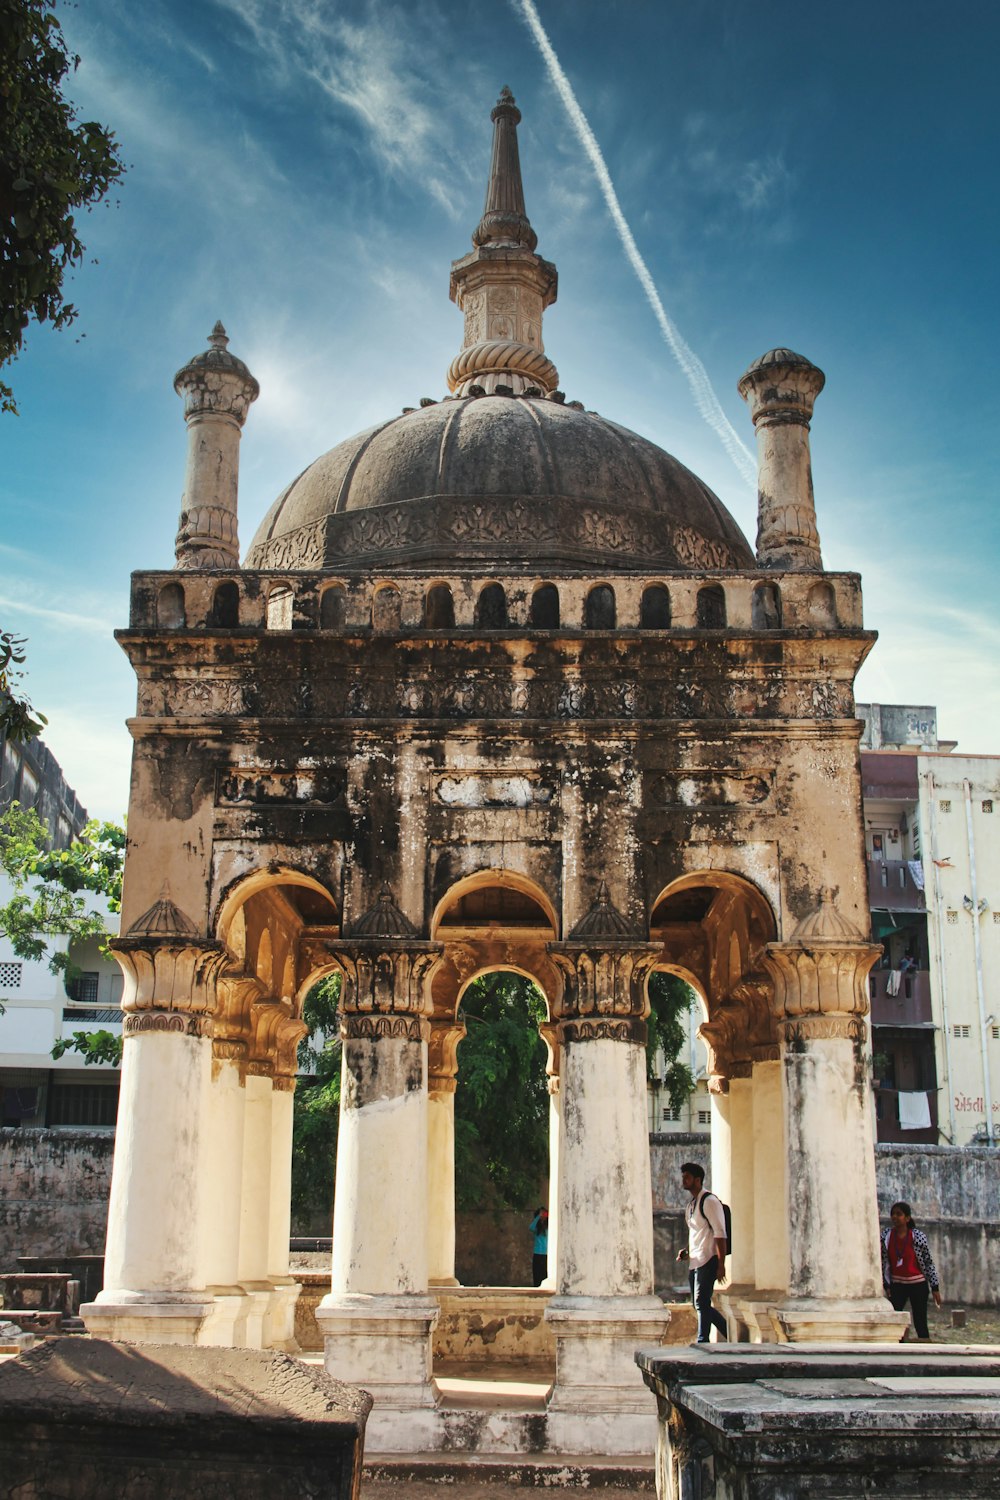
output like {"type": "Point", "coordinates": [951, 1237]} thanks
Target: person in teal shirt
{"type": "Point", "coordinates": [540, 1258]}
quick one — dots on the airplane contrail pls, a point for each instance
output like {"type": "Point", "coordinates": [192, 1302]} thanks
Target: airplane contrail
{"type": "Point", "coordinates": [690, 365]}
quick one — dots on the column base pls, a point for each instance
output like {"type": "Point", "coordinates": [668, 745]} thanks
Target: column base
{"type": "Point", "coordinates": [382, 1343]}
{"type": "Point", "coordinates": [597, 1383]}
{"type": "Point", "coordinates": [279, 1322]}
{"type": "Point", "coordinates": [748, 1312]}
{"type": "Point", "coordinates": [147, 1317]}
{"type": "Point", "coordinates": [860, 1320]}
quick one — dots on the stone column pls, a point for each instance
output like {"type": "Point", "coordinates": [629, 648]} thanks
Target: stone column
{"type": "Point", "coordinates": [155, 1257]}
{"type": "Point", "coordinates": [780, 389]}
{"type": "Point", "coordinates": [550, 1036]}
{"type": "Point", "coordinates": [821, 997]}
{"type": "Point", "coordinates": [770, 1259]}
{"type": "Point", "coordinates": [279, 1329]}
{"type": "Point", "coordinates": [741, 1200]}
{"type": "Point", "coordinates": [604, 1306]}
{"type": "Point", "coordinates": [223, 1181]}
{"type": "Point", "coordinates": [217, 389]}
{"type": "Point", "coordinates": [378, 1317]}
{"type": "Point", "coordinates": [442, 1069]}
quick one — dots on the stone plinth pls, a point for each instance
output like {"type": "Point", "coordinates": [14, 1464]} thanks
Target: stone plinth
{"type": "Point", "coordinates": [86, 1418]}
{"type": "Point", "coordinates": [829, 1420]}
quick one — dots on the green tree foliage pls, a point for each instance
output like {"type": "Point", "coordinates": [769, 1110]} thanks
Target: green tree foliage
{"type": "Point", "coordinates": [669, 1002]}
{"type": "Point", "coordinates": [18, 720]}
{"type": "Point", "coordinates": [50, 167]}
{"type": "Point", "coordinates": [317, 1104]}
{"type": "Point", "coordinates": [50, 903]}
{"type": "Point", "coordinates": [501, 1101]}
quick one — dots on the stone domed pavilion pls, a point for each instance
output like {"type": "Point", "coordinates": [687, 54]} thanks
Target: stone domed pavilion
{"type": "Point", "coordinates": [499, 685]}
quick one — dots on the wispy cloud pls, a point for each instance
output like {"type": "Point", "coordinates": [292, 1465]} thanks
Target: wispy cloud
{"type": "Point", "coordinates": [63, 617]}
{"type": "Point", "coordinates": [694, 372]}
{"type": "Point", "coordinates": [379, 71]}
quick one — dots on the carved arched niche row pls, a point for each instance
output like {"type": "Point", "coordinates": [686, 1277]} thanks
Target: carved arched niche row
{"type": "Point", "coordinates": [491, 920]}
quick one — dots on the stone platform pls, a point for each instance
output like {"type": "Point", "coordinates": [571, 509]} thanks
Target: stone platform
{"type": "Point", "coordinates": [779, 1422]}
{"type": "Point", "coordinates": [83, 1419]}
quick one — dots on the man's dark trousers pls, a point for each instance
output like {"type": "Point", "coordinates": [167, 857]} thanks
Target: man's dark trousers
{"type": "Point", "coordinates": [702, 1283]}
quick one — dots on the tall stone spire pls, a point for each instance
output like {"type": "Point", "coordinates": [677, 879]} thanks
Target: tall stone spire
{"type": "Point", "coordinates": [217, 389]}
{"type": "Point", "coordinates": [502, 286]}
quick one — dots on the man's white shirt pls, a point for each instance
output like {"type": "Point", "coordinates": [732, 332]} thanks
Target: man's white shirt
{"type": "Point", "coordinates": [703, 1232]}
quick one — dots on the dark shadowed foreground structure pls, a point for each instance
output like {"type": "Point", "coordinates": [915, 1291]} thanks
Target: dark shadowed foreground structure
{"type": "Point", "coordinates": [84, 1419]}
{"type": "Point", "coordinates": [776, 1422]}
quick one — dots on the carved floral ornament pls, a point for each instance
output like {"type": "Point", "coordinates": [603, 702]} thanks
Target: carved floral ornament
{"type": "Point", "coordinates": [822, 971]}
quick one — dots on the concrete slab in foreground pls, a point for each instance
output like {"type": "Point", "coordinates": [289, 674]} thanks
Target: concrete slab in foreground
{"type": "Point", "coordinates": [87, 1419]}
{"type": "Point", "coordinates": [782, 1421]}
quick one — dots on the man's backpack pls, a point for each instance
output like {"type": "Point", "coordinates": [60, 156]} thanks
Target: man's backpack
{"type": "Point", "coordinates": [727, 1214]}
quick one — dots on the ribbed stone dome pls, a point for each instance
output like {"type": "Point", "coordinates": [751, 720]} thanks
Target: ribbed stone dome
{"type": "Point", "coordinates": [494, 478]}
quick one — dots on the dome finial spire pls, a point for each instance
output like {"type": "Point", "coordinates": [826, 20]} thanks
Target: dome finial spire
{"type": "Point", "coordinates": [503, 287]}
{"type": "Point", "coordinates": [504, 220]}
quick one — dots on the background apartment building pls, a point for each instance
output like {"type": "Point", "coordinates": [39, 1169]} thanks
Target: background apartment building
{"type": "Point", "coordinates": [39, 1007]}
{"type": "Point", "coordinates": [931, 836]}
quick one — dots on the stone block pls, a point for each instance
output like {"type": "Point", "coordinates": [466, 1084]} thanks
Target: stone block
{"type": "Point", "coordinates": [826, 1421]}
{"type": "Point", "coordinates": [82, 1419]}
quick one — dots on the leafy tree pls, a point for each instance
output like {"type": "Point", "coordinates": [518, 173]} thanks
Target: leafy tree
{"type": "Point", "coordinates": [501, 1100]}
{"type": "Point", "coordinates": [50, 902]}
{"type": "Point", "coordinates": [669, 1002]}
{"type": "Point", "coordinates": [50, 166]}
{"type": "Point", "coordinates": [18, 720]}
{"type": "Point", "coordinates": [316, 1114]}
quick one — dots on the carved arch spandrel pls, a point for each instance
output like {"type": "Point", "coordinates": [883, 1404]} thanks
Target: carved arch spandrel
{"type": "Point", "coordinates": [725, 951]}
{"type": "Point", "coordinates": [465, 960]}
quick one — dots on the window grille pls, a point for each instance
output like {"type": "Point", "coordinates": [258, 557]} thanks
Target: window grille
{"type": "Point", "coordinates": [10, 976]}
{"type": "Point", "coordinates": [83, 988]}
{"type": "Point", "coordinates": [671, 1114]}
{"type": "Point", "coordinates": [704, 1117]}
{"type": "Point", "coordinates": [960, 1031]}
{"type": "Point", "coordinates": [952, 918]}
{"type": "Point", "coordinates": [988, 805]}
{"type": "Point", "coordinates": [945, 804]}
{"type": "Point", "coordinates": [83, 1104]}
{"type": "Point", "coordinates": [996, 1033]}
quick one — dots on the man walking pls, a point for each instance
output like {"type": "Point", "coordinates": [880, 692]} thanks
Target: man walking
{"type": "Point", "coordinates": [706, 1249]}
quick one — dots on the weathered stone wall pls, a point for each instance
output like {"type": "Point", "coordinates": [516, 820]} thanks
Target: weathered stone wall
{"type": "Point", "coordinates": [53, 1192]}
{"type": "Point", "coordinates": [954, 1193]}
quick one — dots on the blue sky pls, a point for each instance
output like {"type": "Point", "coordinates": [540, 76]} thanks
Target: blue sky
{"type": "Point", "coordinates": [819, 176]}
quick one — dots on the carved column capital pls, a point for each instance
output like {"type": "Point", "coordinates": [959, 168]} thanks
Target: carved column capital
{"type": "Point", "coordinates": [604, 989]}
{"type": "Point", "coordinates": [385, 991]}
{"type": "Point", "coordinates": [820, 978]}
{"type": "Point", "coordinates": [442, 1054]}
{"type": "Point", "coordinates": [168, 977]}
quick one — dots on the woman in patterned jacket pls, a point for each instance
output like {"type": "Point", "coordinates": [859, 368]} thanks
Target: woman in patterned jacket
{"type": "Point", "coordinates": [908, 1271]}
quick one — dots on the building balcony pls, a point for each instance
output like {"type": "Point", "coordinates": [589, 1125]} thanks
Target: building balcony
{"type": "Point", "coordinates": [891, 886]}
{"type": "Point", "coordinates": [911, 1006]}
{"type": "Point", "coordinates": [890, 1131]}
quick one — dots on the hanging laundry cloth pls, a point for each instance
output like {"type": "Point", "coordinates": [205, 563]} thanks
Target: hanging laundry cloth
{"type": "Point", "coordinates": [916, 870]}
{"type": "Point", "coordinates": [894, 981]}
{"type": "Point", "coordinates": [914, 1111]}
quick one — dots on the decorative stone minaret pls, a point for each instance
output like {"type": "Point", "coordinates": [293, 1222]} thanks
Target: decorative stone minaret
{"type": "Point", "coordinates": [502, 286]}
{"type": "Point", "coordinates": [780, 389]}
{"type": "Point", "coordinates": [217, 389]}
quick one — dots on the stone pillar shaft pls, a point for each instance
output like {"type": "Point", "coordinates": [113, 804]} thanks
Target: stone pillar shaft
{"type": "Point", "coordinates": [781, 388]}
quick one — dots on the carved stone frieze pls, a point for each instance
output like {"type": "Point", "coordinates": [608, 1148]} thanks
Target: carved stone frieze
{"type": "Point", "coordinates": [169, 1022]}
{"type": "Point", "coordinates": [374, 1028]}
{"type": "Point", "coordinates": [593, 1029]}
{"type": "Point", "coordinates": [452, 525]}
{"type": "Point", "coordinates": [796, 1033]}
{"type": "Point", "coordinates": [458, 694]}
